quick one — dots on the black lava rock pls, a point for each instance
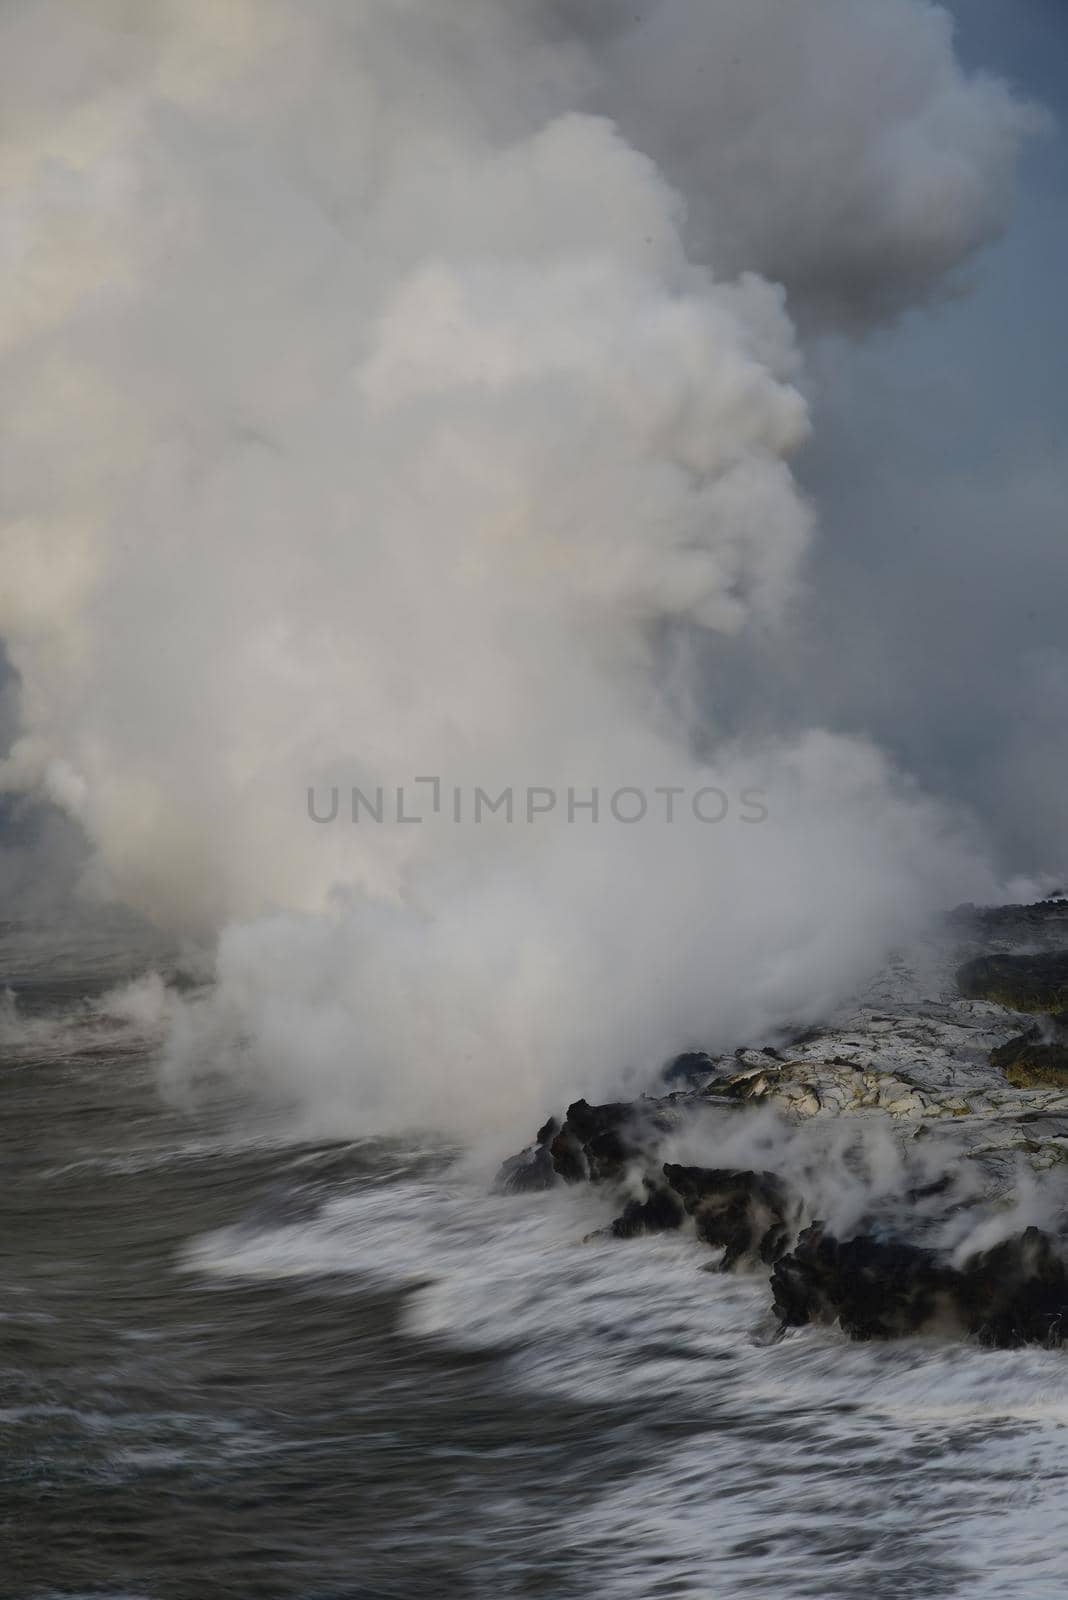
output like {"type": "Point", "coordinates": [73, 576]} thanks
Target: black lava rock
{"type": "Point", "coordinates": [1013, 1294]}
{"type": "Point", "coordinates": [874, 1288]}
{"type": "Point", "coordinates": [692, 1068]}
{"type": "Point", "coordinates": [660, 1212]}
{"type": "Point", "coordinates": [744, 1213]}
{"type": "Point", "coordinates": [1016, 1292]}
{"type": "Point", "coordinates": [529, 1171]}
{"type": "Point", "coordinates": [594, 1143]}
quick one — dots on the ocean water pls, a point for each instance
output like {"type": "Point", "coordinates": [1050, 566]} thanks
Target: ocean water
{"type": "Point", "coordinates": [232, 1364]}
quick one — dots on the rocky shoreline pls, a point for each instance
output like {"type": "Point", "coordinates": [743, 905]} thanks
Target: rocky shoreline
{"type": "Point", "coordinates": [905, 1162]}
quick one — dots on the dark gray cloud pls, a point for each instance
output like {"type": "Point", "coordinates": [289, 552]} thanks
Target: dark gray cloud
{"type": "Point", "coordinates": [838, 148]}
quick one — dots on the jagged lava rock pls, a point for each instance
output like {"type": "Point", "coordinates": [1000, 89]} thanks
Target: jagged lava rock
{"type": "Point", "coordinates": [601, 1133]}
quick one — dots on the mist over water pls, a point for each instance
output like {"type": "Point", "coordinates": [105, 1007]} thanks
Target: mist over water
{"type": "Point", "coordinates": [399, 391]}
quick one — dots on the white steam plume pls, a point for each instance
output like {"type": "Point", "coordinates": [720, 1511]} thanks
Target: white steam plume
{"type": "Point", "coordinates": [372, 413]}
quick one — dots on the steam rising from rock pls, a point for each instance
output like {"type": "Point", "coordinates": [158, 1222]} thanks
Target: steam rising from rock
{"type": "Point", "coordinates": [383, 400]}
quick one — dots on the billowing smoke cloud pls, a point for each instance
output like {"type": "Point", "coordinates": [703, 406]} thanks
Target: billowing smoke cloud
{"type": "Point", "coordinates": [389, 396]}
{"type": "Point", "coordinates": [835, 147]}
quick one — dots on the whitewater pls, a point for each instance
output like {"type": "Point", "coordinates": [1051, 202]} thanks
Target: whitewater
{"type": "Point", "coordinates": [240, 1363]}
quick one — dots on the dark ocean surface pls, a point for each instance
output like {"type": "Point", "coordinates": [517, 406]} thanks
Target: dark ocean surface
{"type": "Point", "coordinates": [236, 1365]}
